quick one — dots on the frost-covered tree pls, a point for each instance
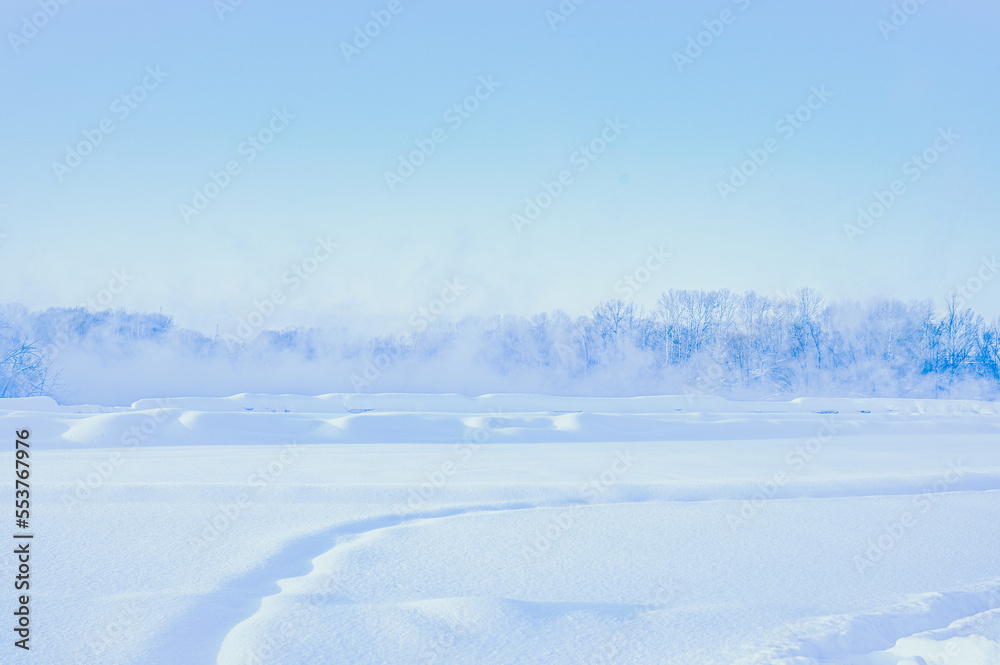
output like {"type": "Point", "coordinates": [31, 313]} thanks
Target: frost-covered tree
{"type": "Point", "coordinates": [24, 371]}
{"type": "Point", "coordinates": [747, 345]}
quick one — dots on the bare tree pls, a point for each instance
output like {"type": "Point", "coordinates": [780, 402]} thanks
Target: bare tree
{"type": "Point", "coordinates": [24, 371]}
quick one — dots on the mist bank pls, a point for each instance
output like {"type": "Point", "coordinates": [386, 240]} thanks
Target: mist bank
{"type": "Point", "coordinates": [738, 346]}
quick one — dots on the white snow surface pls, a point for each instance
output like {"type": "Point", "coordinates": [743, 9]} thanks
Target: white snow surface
{"type": "Point", "coordinates": [395, 528]}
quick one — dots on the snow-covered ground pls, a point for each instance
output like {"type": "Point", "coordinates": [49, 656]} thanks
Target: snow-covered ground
{"type": "Point", "coordinates": [511, 529]}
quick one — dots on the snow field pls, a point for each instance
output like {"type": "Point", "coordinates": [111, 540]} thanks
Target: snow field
{"type": "Point", "coordinates": [501, 529]}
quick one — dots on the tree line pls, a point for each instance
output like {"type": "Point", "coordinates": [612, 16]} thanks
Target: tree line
{"type": "Point", "coordinates": [739, 345]}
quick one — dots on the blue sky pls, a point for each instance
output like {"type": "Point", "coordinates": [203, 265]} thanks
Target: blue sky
{"type": "Point", "coordinates": [553, 89]}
